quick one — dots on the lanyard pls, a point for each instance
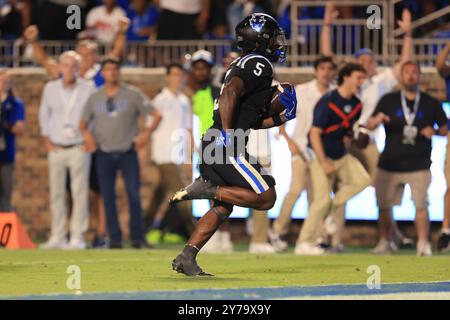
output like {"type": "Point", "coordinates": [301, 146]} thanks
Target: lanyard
{"type": "Point", "coordinates": [68, 105]}
{"type": "Point", "coordinates": [409, 117]}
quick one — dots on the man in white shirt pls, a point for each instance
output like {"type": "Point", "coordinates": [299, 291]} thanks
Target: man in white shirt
{"type": "Point", "coordinates": [378, 83]}
{"type": "Point", "coordinates": [308, 94]}
{"type": "Point", "coordinates": [104, 20]}
{"type": "Point", "coordinates": [59, 114]}
{"type": "Point", "coordinates": [171, 144]}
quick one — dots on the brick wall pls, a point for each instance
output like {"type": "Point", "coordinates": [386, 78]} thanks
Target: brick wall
{"type": "Point", "coordinates": [31, 198]}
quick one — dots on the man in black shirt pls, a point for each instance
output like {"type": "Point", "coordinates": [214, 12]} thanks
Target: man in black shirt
{"type": "Point", "coordinates": [409, 118]}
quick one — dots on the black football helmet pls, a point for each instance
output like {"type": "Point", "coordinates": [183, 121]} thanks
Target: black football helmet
{"type": "Point", "coordinates": [260, 33]}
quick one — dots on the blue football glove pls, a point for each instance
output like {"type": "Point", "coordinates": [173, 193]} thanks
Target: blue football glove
{"type": "Point", "coordinates": [289, 101]}
{"type": "Point", "coordinates": [224, 139]}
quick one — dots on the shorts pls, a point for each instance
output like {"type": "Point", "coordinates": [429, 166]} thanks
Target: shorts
{"type": "Point", "coordinates": [390, 185]}
{"type": "Point", "coordinates": [240, 170]}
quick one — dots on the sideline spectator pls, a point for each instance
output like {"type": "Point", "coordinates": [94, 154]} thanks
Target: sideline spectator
{"type": "Point", "coordinates": [376, 85]}
{"type": "Point", "coordinates": [113, 112]}
{"type": "Point", "coordinates": [203, 92]}
{"type": "Point", "coordinates": [409, 117]}
{"type": "Point", "coordinates": [104, 20]}
{"type": "Point", "coordinates": [183, 19]}
{"type": "Point", "coordinates": [308, 94]}
{"type": "Point", "coordinates": [444, 71]}
{"type": "Point", "coordinates": [334, 117]}
{"type": "Point", "coordinates": [59, 114]}
{"type": "Point", "coordinates": [11, 125]}
{"type": "Point", "coordinates": [143, 17]}
{"type": "Point", "coordinates": [171, 145]}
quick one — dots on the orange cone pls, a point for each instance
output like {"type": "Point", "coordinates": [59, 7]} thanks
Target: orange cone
{"type": "Point", "coordinates": [12, 232]}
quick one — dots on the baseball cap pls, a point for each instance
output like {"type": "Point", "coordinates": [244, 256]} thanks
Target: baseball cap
{"type": "Point", "coordinates": [363, 51]}
{"type": "Point", "coordinates": [202, 55]}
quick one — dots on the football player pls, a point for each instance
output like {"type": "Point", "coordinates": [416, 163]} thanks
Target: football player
{"type": "Point", "coordinates": [228, 175]}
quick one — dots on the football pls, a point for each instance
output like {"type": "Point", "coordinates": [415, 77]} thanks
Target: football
{"type": "Point", "coordinates": [275, 106]}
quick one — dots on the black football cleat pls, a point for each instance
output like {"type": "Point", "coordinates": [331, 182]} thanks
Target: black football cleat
{"type": "Point", "coordinates": [199, 189]}
{"type": "Point", "coordinates": [188, 266]}
{"type": "Point", "coordinates": [443, 243]}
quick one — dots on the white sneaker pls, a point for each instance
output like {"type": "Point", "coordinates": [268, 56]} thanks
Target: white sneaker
{"type": "Point", "coordinates": [76, 245]}
{"type": "Point", "coordinates": [385, 247]}
{"type": "Point", "coordinates": [53, 244]}
{"type": "Point", "coordinates": [213, 245]}
{"type": "Point", "coordinates": [227, 244]}
{"type": "Point", "coordinates": [424, 249]}
{"type": "Point", "coordinates": [308, 249]}
{"type": "Point", "coordinates": [264, 248]}
{"type": "Point", "coordinates": [276, 242]}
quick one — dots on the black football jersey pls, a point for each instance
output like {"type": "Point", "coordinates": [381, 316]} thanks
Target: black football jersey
{"type": "Point", "coordinates": [256, 72]}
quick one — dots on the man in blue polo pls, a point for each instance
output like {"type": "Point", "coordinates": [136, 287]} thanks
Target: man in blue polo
{"type": "Point", "coordinates": [334, 117]}
{"type": "Point", "coordinates": [444, 70]}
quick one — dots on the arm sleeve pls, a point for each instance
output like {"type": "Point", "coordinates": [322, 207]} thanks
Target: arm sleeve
{"type": "Point", "coordinates": [87, 114]}
{"type": "Point", "coordinates": [44, 113]}
{"type": "Point", "coordinates": [252, 70]}
{"type": "Point", "coordinates": [144, 105]}
{"type": "Point", "coordinates": [321, 114]}
{"type": "Point", "coordinates": [20, 111]}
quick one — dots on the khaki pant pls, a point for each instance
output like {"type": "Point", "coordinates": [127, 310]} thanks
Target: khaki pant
{"type": "Point", "coordinates": [260, 221]}
{"type": "Point", "coordinates": [260, 226]}
{"type": "Point", "coordinates": [77, 161]}
{"type": "Point", "coordinates": [171, 181]}
{"type": "Point", "coordinates": [299, 182]}
{"type": "Point", "coordinates": [352, 177]}
{"type": "Point", "coordinates": [369, 159]}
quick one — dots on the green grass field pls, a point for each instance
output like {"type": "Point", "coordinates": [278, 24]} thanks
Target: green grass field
{"type": "Point", "coordinates": [44, 272]}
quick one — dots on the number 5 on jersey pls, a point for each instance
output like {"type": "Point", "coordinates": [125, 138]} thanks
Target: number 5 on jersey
{"type": "Point", "coordinates": [258, 69]}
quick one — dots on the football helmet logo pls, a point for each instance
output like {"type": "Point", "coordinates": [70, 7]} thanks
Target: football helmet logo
{"type": "Point", "coordinates": [257, 22]}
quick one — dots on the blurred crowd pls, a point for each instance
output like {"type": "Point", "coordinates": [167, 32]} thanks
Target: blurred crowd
{"type": "Point", "coordinates": [170, 19]}
{"type": "Point", "coordinates": [89, 122]}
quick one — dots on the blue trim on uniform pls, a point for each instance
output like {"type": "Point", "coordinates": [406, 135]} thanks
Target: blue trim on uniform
{"type": "Point", "coordinates": [250, 174]}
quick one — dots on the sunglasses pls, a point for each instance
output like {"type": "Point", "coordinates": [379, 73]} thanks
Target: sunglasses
{"type": "Point", "coordinates": [110, 106]}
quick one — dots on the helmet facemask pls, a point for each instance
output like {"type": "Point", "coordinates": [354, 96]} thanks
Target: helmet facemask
{"type": "Point", "coordinates": [277, 47]}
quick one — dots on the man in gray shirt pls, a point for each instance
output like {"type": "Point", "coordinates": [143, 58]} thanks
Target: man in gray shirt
{"type": "Point", "coordinates": [112, 115]}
